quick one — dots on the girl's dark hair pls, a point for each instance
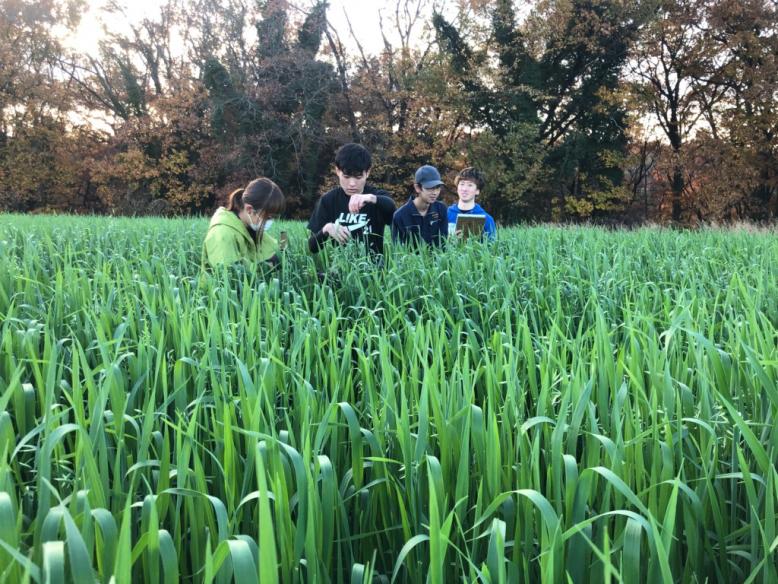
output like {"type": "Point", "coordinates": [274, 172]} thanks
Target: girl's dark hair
{"type": "Point", "coordinates": [261, 193]}
{"type": "Point", "coordinates": [472, 174]}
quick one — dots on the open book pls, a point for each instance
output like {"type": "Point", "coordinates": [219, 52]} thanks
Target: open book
{"type": "Point", "coordinates": [470, 225]}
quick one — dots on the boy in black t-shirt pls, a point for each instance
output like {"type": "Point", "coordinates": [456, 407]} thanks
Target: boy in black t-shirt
{"type": "Point", "coordinates": [354, 210]}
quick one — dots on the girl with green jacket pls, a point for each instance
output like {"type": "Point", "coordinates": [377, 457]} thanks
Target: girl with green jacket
{"type": "Point", "coordinates": [237, 232]}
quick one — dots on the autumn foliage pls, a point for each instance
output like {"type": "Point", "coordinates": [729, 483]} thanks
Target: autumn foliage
{"type": "Point", "coordinates": [582, 110]}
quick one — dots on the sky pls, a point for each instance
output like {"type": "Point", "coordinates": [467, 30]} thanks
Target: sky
{"type": "Point", "coordinates": [362, 13]}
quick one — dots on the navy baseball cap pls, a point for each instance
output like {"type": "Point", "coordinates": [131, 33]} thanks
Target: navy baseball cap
{"type": "Point", "coordinates": [428, 177]}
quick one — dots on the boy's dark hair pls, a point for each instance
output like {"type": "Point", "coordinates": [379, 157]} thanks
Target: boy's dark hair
{"type": "Point", "coordinates": [353, 159]}
{"type": "Point", "coordinates": [472, 174]}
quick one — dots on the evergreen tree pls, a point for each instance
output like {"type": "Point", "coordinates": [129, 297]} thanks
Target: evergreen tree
{"type": "Point", "coordinates": [551, 112]}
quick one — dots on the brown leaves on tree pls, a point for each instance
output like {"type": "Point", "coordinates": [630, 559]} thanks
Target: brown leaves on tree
{"type": "Point", "coordinates": [575, 109]}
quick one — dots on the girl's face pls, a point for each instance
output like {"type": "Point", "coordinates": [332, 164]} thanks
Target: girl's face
{"type": "Point", "coordinates": [257, 219]}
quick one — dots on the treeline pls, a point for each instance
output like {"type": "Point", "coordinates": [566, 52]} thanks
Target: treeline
{"type": "Point", "coordinates": [609, 111]}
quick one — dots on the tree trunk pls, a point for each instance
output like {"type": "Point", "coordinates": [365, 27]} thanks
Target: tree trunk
{"type": "Point", "coordinates": [677, 191]}
{"type": "Point", "coordinates": [677, 184]}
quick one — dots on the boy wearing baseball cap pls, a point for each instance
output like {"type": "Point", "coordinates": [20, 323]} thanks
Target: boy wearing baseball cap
{"type": "Point", "coordinates": [424, 217]}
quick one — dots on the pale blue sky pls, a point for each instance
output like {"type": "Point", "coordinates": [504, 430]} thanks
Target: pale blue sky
{"type": "Point", "coordinates": [362, 13]}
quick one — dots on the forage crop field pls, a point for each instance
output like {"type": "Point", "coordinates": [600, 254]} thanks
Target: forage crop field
{"type": "Point", "coordinates": [565, 405]}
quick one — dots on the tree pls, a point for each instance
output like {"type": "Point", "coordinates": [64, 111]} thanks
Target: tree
{"type": "Point", "coordinates": [268, 100]}
{"type": "Point", "coordinates": [706, 71]}
{"type": "Point", "coordinates": [397, 102]}
{"type": "Point", "coordinates": [198, 98]}
{"type": "Point", "coordinates": [550, 102]}
{"type": "Point", "coordinates": [669, 58]}
{"type": "Point", "coordinates": [150, 155]}
{"type": "Point", "coordinates": [34, 105]}
{"type": "Point", "coordinates": [162, 162]}
{"type": "Point", "coordinates": [744, 39]}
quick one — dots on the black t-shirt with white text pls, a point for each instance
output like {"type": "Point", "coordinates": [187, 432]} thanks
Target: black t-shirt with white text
{"type": "Point", "coordinates": [368, 224]}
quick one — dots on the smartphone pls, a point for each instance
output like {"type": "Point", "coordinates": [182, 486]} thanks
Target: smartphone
{"type": "Point", "coordinates": [283, 240]}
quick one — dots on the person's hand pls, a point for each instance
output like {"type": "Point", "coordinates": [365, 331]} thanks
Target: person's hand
{"type": "Point", "coordinates": [272, 262]}
{"type": "Point", "coordinates": [356, 202]}
{"type": "Point", "coordinates": [337, 232]}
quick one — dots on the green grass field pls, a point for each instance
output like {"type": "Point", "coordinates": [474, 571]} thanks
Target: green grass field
{"type": "Point", "coordinates": [567, 405]}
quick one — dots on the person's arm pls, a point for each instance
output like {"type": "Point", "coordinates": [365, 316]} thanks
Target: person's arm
{"type": "Point", "coordinates": [332, 231]}
{"type": "Point", "coordinates": [380, 199]}
{"type": "Point", "coordinates": [267, 247]}
{"type": "Point", "coordinates": [490, 227]}
{"type": "Point", "coordinates": [316, 241]}
{"type": "Point", "coordinates": [221, 248]}
{"type": "Point", "coordinates": [451, 217]}
{"type": "Point", "coordinates": [316, 224]}
{"type": "Point", "coordinates": [267, 252]}
{"type": "Point", "coordinates": [272, 262]}
{"type": "Point", "coordinates": [399, 233]}
{"type": "Point", "coordinates": [385, 205]}
{"type": "Point", "coordinates": [443, 230]}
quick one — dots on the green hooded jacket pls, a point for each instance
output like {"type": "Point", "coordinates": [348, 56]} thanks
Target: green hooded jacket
{"type": "Point", "coordinates": [228, 241]}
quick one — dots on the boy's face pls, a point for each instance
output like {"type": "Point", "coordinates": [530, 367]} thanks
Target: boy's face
{"type": "Point", "coordinates": [467, 190]}
{"type": "Point", "coordinates": [428, 196]}
{"type": "Point", "coordinates": [352, 184]}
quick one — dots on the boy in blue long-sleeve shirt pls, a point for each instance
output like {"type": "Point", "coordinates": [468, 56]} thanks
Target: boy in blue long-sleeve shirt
{"type": "Point", "coordinates": [424, 217]}
{"type": "Point", "coordinates": [469, 184]}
